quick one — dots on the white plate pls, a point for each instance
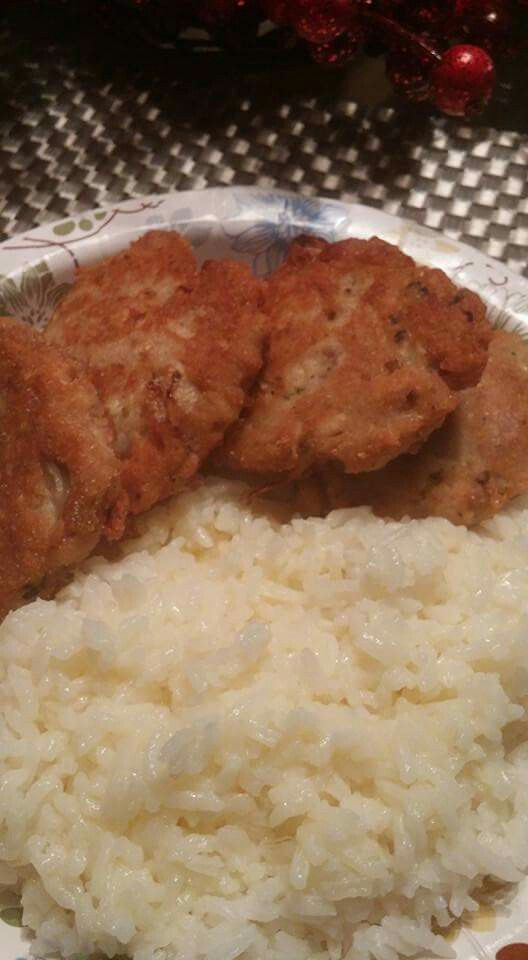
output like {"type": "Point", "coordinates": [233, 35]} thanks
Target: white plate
{"type": "Point", "coordinates": [257, 226]}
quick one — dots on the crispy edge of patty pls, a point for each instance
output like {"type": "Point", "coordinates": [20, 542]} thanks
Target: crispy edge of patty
{"type": "Point", "coordinates": [364, 360]}
{"type": "Point", "coordinates": [448, 321]}
{"type": "Point", "coordinates": [172, 375]}
{"type": "Point", "coordinates": [467, 471]}
{"type": "Point", "coordinates": [58, 473]}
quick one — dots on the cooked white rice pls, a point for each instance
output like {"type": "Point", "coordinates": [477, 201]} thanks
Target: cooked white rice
{"type": "Point", "coordinates": [270, 741]}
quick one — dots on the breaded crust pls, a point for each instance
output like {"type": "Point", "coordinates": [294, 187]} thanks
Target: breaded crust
{"type": "Point", "coordinates": [367, 352]}
{"type": "Point", "coordinates": [472, 466]}
{"type": "Point", "coordinates": [58, 472]}
{"type": "Point", "coordinates": [449, 322]}
{"type": "Point", "coordinates": [171, 378]}
{"type": "Point", "coordinates": [107, 296]}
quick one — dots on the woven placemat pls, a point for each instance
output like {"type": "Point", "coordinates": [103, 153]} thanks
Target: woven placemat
{"type": "Point", "coordinates": [83, 126]}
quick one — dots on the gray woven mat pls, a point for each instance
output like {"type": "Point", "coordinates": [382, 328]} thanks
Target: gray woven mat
{"type": "Point", "coordinates": [73, 136]}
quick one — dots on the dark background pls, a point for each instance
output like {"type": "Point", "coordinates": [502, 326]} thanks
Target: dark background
{"type": "Point", "coordinates": [92, 112]}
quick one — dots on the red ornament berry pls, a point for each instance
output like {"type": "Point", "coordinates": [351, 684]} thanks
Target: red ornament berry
{"type": "Point", "coordinates": [277, 11]}
{"type": "Point", "coordinates": [427, 17]}
{"type": "Point", "coordinates": [487, 22]}
{"type": "Point", "coordinates": [338, 52]}
{"type": "Point", "coordinates": [463, 82]}
{"type": "Point", "coordinates": [321, 21]}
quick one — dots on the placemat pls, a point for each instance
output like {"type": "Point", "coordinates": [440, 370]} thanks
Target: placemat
{"type": "Point", "coordinates": [83, 124]}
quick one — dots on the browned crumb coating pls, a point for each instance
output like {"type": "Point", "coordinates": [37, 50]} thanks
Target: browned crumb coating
{"type": "Point", "coordinates": [171, 372]}
{"type": "Point", "coordinates": [171, 376]}
{"type": "Point", "coordinates": [105, 297]}
{"type": "Point", "coordinates": [148, 361]}
{"type": "Point", "coordinates": [196, 359]}
{"type": "Point", "coordinates": [468, 469]}
{"type": "Point", "coordinates": [144, 365]}
{"type": "Point", "coordinates": [58, 472]}
{"type": "Point", "coordinates": [367, 352]}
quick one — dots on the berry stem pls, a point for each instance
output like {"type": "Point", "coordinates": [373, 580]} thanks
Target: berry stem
{"type": "Point", "coordinates": [410, 38]}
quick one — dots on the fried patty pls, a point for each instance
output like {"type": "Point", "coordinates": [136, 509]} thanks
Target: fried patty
{"type": "Point", "coordinates": [172, 374]}
{"type": "Point", "coordinates": [468, 469]}
{"type": "Point", "coordinates": [107, 296]}
{"type": "Point", "coordinates": [367, 353]}
{"type": "Point", "coordinates": [58, 472]}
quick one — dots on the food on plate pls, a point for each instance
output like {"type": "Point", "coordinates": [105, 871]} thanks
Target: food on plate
{"type": "Point", "coordinates": [58, 472]}
{"type": "Point", "coordinates": [367, 353]}
{"type": "Point", "coordinates": [172, 359]}
{"type": "Point", "coordinates": [248, 738]}
{"type": "Point", "coordinates": [145, 364]}
{"type": "Point", "coordinates": [248, 733]}
{"type": "Point", "coordinates": [469, 468]}
{"type": "Point", "coordinates": [109, 295]}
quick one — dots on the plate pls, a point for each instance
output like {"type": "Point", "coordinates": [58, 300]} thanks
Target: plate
{"type": "Point", "coordinates": [257, 226]}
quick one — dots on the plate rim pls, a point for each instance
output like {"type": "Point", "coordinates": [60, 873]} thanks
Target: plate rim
{"type": "Point", "coordinates": [57, 248]}
{"type": "Point", "coordinates": [155, 200]}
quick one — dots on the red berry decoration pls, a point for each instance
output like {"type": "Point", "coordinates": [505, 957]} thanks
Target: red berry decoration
{"type": "Point", "coordinates": [463, 81]}
{"type": "Point", "coordinates": [321, 21]}
{"type": "Point", "coordinates": [488, 22]}
{"type": "Point", "coordinates": [411, 34]}
{"type": "Point", "coordinates": [428, 17]}
{"type": "Point", "coordinates": [338, 52]}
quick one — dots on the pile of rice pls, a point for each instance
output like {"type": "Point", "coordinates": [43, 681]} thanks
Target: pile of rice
{"type": "Point", "coordinates": [275, 741]}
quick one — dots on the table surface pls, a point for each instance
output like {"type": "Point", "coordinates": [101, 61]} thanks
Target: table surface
{"type": "Point", "coordinates": [87, 119]}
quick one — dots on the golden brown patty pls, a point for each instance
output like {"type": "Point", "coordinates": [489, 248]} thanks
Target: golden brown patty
{"type": "Point", "coordinates": [58, 472]}
{"type": "Point", "coordinates": [367, 352]}
{"type": "Point", "coordinates": [171, 375]}
{"type": "Point", "coordinates": [472, 466]}
{"type": "Point", "coordinates": [108, 296]}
